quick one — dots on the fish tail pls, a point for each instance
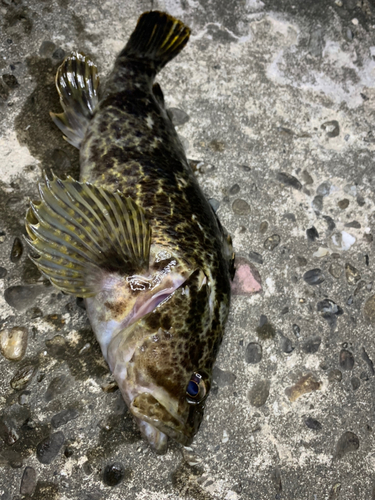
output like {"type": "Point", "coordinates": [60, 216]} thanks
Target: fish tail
{"type": "Point", "coordinates": [157, 37]}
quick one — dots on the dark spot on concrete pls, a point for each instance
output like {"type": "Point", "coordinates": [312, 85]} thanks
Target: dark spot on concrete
{"type": "Point", "coordinates": [115, 473]}
{"type": "Point", "coordinates": [266, 331]}
{"type": "Point", "coordinates": [288, 180]}
{"type": "Point", "coordinates": [46, 491]}
{"type": "Point", "coordinates": [34, 126]}
{"type": "Point", "coordinates": [313, 424]}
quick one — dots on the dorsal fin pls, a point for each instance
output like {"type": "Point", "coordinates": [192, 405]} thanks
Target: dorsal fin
{"type": "Point", "coordinates": [77, 83]}
{"type": "Point", "coordinates": [79, 230]}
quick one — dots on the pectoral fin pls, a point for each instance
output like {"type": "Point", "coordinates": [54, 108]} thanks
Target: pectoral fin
{"type": "Point", "coordinates": [77, 83]}
{"type": "Point", "coordinates": [79, 231]}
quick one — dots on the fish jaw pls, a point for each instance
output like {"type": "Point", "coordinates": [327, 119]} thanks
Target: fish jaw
{"type": "Point", "coordinates": [155, 438]}
{"type": "Point", "coordinates": [156, 421]}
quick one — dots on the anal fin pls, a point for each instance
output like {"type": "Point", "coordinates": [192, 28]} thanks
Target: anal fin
{"type": "Point", "coordinates": [77, 83]}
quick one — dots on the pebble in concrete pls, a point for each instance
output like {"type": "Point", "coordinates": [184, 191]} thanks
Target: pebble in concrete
{"type": "Point", "coordinates": [28, 481]}
{"type": "Point", "coordinates": [13, 342]}
{"type": "Point", "coordinates": [307, 383]}
{"type": "Point", "coordinates": [347, 443]}
{"type": "Point", "coordinates": [48, 449]}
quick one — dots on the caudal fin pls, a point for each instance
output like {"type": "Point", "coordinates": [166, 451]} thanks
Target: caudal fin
{"type": "Point", "coordinates": [157, 37]}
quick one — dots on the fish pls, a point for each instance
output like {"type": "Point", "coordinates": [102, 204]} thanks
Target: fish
{"type": "Point", "coordinates": [135, 236]}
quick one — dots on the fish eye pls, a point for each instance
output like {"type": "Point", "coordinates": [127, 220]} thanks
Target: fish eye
{"type": "Point", "coordinates": [196, 389]}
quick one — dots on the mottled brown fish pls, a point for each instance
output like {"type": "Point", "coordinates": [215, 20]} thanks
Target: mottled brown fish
{"type": "Point", "coordinates": [135, 236]}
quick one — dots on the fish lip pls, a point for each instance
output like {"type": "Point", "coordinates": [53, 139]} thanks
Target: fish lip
{"type": "Point", "coordinates": [181, 434]}
{"type": "Point", "coordinates": [156, 439]}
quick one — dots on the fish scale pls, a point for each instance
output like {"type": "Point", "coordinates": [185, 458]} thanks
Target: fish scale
{"type": "Point", "coordinates": [157, 281]}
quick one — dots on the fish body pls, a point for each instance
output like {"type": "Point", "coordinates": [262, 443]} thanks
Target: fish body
{"type": "Point", "coordinates": [136, 237]}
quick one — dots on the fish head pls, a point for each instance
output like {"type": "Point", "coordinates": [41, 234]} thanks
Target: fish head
{"type": "Point", "coordinates": [163, 364]}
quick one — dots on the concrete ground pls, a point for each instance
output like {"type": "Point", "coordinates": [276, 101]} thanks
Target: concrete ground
{"type": "Point", "coordinates": [275, 104]}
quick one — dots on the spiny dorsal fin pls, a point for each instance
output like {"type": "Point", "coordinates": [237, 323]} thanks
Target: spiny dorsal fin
{"type": "Point", "coordinates": [78, 230]}
{"type": "Point", "coordinates": [77, 83]}
{"type": "Point", "coordinates": [157, 37]}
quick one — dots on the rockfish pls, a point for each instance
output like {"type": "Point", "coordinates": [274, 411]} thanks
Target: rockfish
{"type": "Point", "coordinates": [135, 236]}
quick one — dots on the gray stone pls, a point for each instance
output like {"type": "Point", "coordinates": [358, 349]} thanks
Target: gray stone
{"type": "Point", "coordinates": [313, 424]}
{"type": "Point", "coordinates": [235, 189]}
{"type": "Point", "coordinates": [307, 179]}
{"type": "Point", "coordinates": [222, 377]}
{"type": "Point", "coordinates": [272, 242]}
{"type": "Point", "coordinates": [330, 223]}
{"type": "Point", "coordinates": [348, 442]}
{"type": "Point", "coordinates": [289, 180]}
{"type": "Point", "coordinates": [311, 345]}
{"type": "Point", "coordinates": [314, 276]}
{"type": "Point", "coordinates": [178, 116]}
{"type": "Point", "coordinates": [344, 203]}
{"type": "Point", "coordinates": [355, 224]}
{"type": "Point", "coordinates": [28, 481]}
{"type": "Point", "coordinates": [46, 49]}
{"type": "Point", "coordinates": [346, 360]}
{"type": "Point", "coordinates": [253, 353]}
{"type": "Point", "coordinates": [332, 128]}
{"type": "Point", "coordinates": [22, 297]}
{"type": "Point", "coordinates": [256, 257]}
{"type": "Point", "coordinates": [48, 449]}
{"type": "Point", "coordinates": [352, 274]}
{"type": "Point", "coordinates": [324, 189]}
{"type": "Point", "coordinates": [64, 417]}
{"type": "Point", "coordinates": [114, 473]}
{"type": "Point", "coordinates": [369, 362]}
{"type": "Point", "coordinates": [335, 270]}
{"type": "Point", "coordinates": [355, 383]}
{"type": "Point", "coordinates": [317, 203]}
{"type": "Point", "coordinates": [259, 393]}
{"type": "Point", "coordinates": [57, 386]}
{"type": "Point", "coordinates": [23, 376]}
{"type": "Point", "coordinates": [17, 250]}
{"type": "Point", "coordinates": [312, 234]}
{"type": "Point", "coordinates": [263, 227]}
{"type": "Point", "coordinates": [215, 204]}
{"type": "Point", "coordinates": [286, 345]}
{"type": "Point", "coordinates": [334, 376]}
{"type": "Point", "coordinates": [241, 207]}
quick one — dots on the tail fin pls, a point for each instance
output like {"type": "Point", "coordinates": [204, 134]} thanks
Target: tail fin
{"type": "Point", "coordinates": [158, 37]}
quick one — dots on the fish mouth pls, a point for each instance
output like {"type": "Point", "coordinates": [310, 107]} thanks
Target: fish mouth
{"type": "Point", "coordinates": [158, 424]}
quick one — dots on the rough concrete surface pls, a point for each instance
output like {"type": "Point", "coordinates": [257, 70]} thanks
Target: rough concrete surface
{"type": "Point", "coordinates": [275, 103]}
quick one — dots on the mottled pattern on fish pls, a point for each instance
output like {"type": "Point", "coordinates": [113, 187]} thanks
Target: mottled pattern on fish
{"type": "Point", "coordinates": [159, 325]}
{"type": "Point", "coordinates": [132, 146]}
